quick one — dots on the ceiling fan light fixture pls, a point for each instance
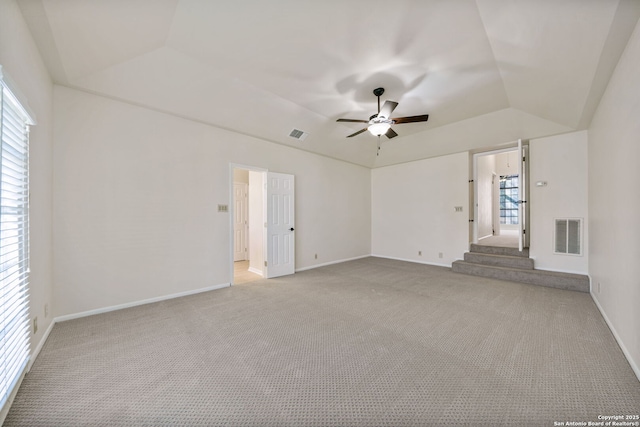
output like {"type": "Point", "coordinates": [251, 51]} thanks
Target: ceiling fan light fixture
{"type": "Point", "coordinates": [379, 128]}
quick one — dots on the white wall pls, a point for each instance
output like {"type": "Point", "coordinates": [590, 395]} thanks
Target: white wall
{"type": "Point", "coordinates": [136, 195]}
{"type": "Point", "coordinates": [561, 161]}
{"type": "Point", "coordinates": [614, 202]}
{"type": "Point", "coordinates": [507, 163]}
{"type": "Point", "coordinates": [413, 210]}
{"type": "Point", "coordinates": [20, 58]}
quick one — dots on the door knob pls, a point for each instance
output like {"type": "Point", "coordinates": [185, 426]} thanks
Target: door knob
{"type": "Point", "coordinates": [291, 229]}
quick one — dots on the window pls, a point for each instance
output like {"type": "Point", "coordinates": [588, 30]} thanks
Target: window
{"type": "Point", "coordinates": [508, 199]}
{"type": "Point", "coordinates": [14, 239]}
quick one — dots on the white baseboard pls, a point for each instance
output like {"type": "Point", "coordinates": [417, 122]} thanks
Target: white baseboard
{"type": "Point", "coordinates": [413, 260]}
{"type": "Point", "coordinates": [256, 271]}
{"type": "Point", "coordinates": [634, 365]}
{"type": "Point", "coordinates": [36, 351]}
{"type": "Point", "coordinates": [136, 303]}
{"type": "Point", "coordinates": [332, 262]}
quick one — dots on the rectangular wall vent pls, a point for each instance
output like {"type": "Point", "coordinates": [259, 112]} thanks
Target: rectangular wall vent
{"type": "Point", "coordinates": [298, 134]}
{"type": "Point", "coordinates": [568, 236]}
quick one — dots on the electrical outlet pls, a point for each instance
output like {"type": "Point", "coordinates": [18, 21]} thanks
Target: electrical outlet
{"type": "Point", "coordinates": [316, 256]}
{"type": "Point", "coordinates": [419, 253]}
{"type": "Point", "coordinates": [440, 254]}
{"type": "Point", "coordinates": [35, 325]}
{"type": "Point", "coordinates": [46, 310]}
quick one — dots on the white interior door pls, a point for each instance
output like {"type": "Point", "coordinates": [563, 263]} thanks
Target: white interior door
{"type": "Point", "coordinates": [240, 221]}
{"type": "Point", "coordinates": [280, 225]}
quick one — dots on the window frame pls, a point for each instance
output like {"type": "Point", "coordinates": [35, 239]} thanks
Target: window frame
{"type": "Point", "coordinates": [514, 181]}
{"type": "Point", "coordinates": [15, 330]}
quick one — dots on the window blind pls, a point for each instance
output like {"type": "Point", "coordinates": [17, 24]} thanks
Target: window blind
{"type": "Point", "coordinates": [14, 241]}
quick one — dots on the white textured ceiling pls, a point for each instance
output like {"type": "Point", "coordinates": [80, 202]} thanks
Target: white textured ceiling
{"type": "Point", "coordinates": [486, 71]}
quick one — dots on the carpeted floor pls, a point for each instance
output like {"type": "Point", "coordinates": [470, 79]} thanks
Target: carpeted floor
{"type": "Point", "coordinates": [507, 238]}
{"type": "Point", "coordinates": [372, 342]}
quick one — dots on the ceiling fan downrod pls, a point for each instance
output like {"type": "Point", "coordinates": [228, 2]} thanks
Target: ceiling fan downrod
{"type": "Point", "coordinates": [378, 92]}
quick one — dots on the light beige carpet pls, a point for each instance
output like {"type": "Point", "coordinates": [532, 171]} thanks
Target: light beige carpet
{"type": "Point", "coordinates": [372, 342]}
{"type": "Point", "coordinates": [507, 239]}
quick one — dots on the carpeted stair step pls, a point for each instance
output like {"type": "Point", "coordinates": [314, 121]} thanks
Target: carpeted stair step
{"type": "Point", "coordinates": [499, 260]}
{"type": "Point", "coordinates": [551, 279]}
{"type": "Point", "coordinates": [498, 250]}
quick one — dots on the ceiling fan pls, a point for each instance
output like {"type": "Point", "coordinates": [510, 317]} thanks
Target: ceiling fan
{"type": "Point", "coordinates": [380, 123]}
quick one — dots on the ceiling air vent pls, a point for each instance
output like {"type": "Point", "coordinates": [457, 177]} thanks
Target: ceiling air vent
{"type": "Point", "coordinates": [298, 134]}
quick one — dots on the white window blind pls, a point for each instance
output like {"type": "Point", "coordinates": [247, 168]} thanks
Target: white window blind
{"type": "Point", "coordinates": [14, 240]}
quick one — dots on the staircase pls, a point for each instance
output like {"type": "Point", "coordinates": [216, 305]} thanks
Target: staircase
{"type": "Point", "coordinates": [511, 264]}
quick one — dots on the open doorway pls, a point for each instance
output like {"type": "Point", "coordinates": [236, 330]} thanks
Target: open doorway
{"type": "Point", "coordinates": [263, 240]}
{"type": "Point", "coordinates": [500, 198]}
{"type": "Point", "coordinates": [248, 215]}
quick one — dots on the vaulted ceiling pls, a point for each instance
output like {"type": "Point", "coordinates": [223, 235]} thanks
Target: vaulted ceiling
{"type": "Point", "coordinates": [486, 71]}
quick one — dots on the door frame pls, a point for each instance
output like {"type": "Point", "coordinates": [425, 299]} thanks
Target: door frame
{"type": "Point", "coordinates": [476, 154]}
{"type": "Point", "coordinates": [495, 203]}
{"type": "Point", "coordinates": [524, 222]}
{"type": "Point", "coordinates": [264, 171]}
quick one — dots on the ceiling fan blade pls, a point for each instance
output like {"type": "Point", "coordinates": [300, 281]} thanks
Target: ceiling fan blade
{"type": "Point", "coordinates": [352, 121]}
{"type": "Point", "coordinates": [387, 109]}
{"type": "Point", "coordinates": [357, 133]}
{"type": "Point", "coordinates": [411, 119]}
{"type": "Point", "coordinates": [391, 133]}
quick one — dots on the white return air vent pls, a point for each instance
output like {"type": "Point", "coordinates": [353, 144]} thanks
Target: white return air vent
{"type": "Point", "coordinates": [568, 236]}
{"type": "Point", "coordinates": [299, 134]}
